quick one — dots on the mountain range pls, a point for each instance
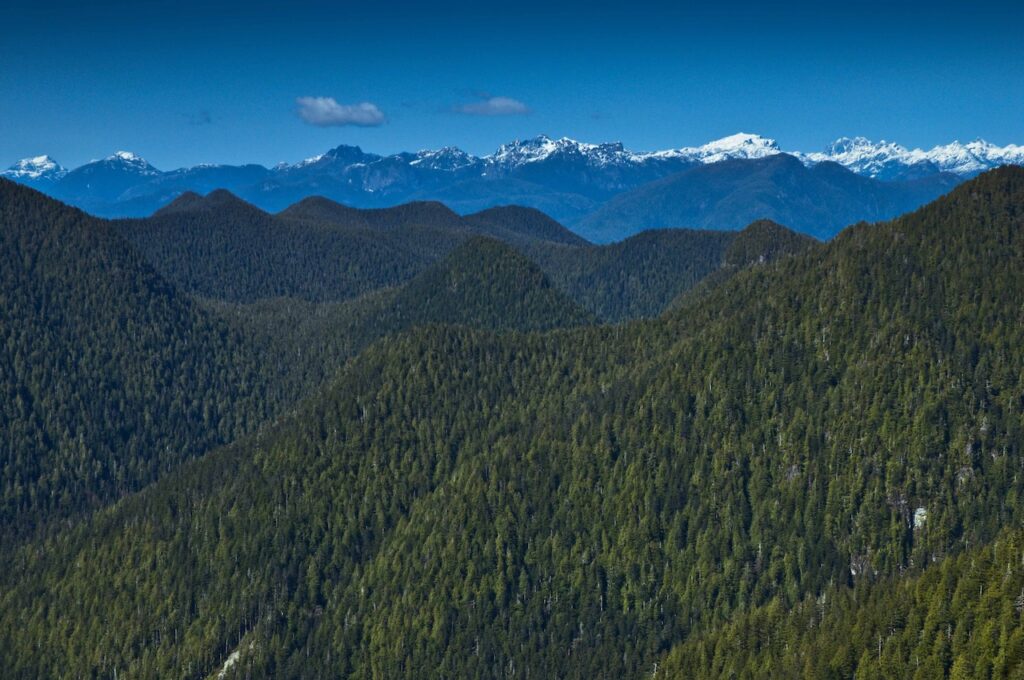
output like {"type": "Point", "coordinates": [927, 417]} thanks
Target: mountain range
{"type": "Point", "coordinates": [567, 179]}
{"type": "Point", "coordinates": [804, 463]}
{"type": "Point", "coordinates": [131, 346]}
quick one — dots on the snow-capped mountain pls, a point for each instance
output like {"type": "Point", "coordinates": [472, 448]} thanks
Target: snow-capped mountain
{"type": "Point", "coordinates": [39, 168]}
{"type": "Point", "coordinates": [129, 161]}
{"type": "Point", "coordinates": [447, 159]}
{"type": "Point", "coordinates": [973, 157]}
{"type": "Point", "coordinates": [541, 148]}
{"type": "Point", "coordinates": [104, 182]}
{"type": "Point", "coordinates": [882, 159]}
{"type": "Point", "coordinates": [740, 145]}
{"type": "Point", "coordinates": [888, 160]}
{"type": "Point", "coordinates": [564, 177]}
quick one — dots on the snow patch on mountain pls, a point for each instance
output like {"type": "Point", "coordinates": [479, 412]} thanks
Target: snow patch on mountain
{"type": "Point", "coordinates": [449, 158]}
{"type": "Point", "coordinates": [35, 168]}
{"type": "Point", "coordinates": [881, 160]}
{"type": "Point", "coordinates": [127, 156]}
{"type": "Point", "coordinates": [130, 161]}
{"type": "Point", "coordinates": [740, 145]}
{"type": "Point", "coordinates": [885, 159]}
{"type": "Point", "coordinates": [307, 161]}
{"type": "Point", "coordinates": [541, 147]}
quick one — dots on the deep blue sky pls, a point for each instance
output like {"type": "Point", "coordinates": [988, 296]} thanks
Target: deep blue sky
{"type": "Point", "coordinates": [183, 83]}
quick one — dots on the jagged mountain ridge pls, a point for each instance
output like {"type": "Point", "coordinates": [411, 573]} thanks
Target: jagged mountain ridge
{"type": "Point", "coordinates": [566, 178]}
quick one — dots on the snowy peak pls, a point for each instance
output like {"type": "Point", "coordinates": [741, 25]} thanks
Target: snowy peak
{"type": "Point", "coordinates": [126, 156]}
{"type": "Point", "coordinates": [741, 145]}
{"type": "Point", "coordinates": [128, 161]}
{"type": "Point", "coordinates": [888, 160]}
{"type": "Point", "coordinates": [539, 148]}
{"type": "Point", "coordinates": [446, 159]}
{"type": "Point", "coordinates": [542, 148]}
{"type": "Point", "coordinates": [882, 160]}
{"type": "Point", "coordinates": [972, 158]}
{"type": "Point", "coordinates": [35, 168]}
{"type": "Point", "coordinates": [854, 145]}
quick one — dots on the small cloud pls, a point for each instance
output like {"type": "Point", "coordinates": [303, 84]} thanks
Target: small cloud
{"type": "Point", "coordinates": [494, 106]}
{"type": "Point", "coordinates": [326, 112]}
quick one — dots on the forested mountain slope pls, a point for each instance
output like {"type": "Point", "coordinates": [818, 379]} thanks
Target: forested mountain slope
{"type": "Point", "coordinates": [761, 242]}
{"type": "Point", "coordinates": [640, 276]}
{"type": "Point", "coordinates": [578, 503]}
{"type": "Point", "coordinates": [108, 376]}
{"type": "Point", "coordinates": [960, 618]}
{"type": "Point", "coordinates": [221, 248]}
{"type": "Point", "coordinates": [113, 378]}
{"type": "Point", "coordinates": [516, 224]}
{"type": "Point", "coordinates": [482, 284]}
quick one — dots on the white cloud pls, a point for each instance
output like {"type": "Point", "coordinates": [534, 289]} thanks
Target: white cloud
{"type": "Point", "coordinates": [326, 112]}
{"type": "Point", "coordinates": [495, 106]}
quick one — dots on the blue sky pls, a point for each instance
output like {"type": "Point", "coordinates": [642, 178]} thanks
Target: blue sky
{"type": "Point", "coordinates": [183, 83]}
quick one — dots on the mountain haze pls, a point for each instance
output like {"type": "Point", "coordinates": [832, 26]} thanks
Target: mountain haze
{"type": "Point", "coordinates": [818, 200]}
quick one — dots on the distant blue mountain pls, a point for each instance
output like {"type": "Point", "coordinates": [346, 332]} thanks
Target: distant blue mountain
{"type": "Point", "coordinates": [818, 200]}
{"type": "Point", "coordinates": [587, 186]}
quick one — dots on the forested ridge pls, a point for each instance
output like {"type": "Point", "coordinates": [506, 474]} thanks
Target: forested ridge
{"type": "Point", "coordinates": [483, 284]}
{"type": "Point", "coordinates": [823, 448]}
{"type": "Point", "coordinates": [108, 376]}
{"type": "Point", "coordinates": [959, 618]}
{"type": "Point", "coordinates": [220, 248]}
{"type": "Point", "coordinates": [112, 377]}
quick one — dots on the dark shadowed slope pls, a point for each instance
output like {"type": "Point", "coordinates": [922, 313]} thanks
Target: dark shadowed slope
{"type": "Point", "coordinates": [415, 214]}
{"type": "Point", "coordinates": [222, 248]}
{"type": "Point", "coordinates": [483, 283]}
{"type": "Point", "coordinates": [109, 376]}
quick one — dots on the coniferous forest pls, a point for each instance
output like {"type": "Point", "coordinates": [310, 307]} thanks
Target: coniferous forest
{"type": "Point", "coordinates": [409, 443]}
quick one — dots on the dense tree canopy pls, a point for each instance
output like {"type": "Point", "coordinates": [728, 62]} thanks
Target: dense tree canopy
{"type": "Point", "coordinates": [108, 376]}
{"type": "Point", "coordinates": [813, 449]}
